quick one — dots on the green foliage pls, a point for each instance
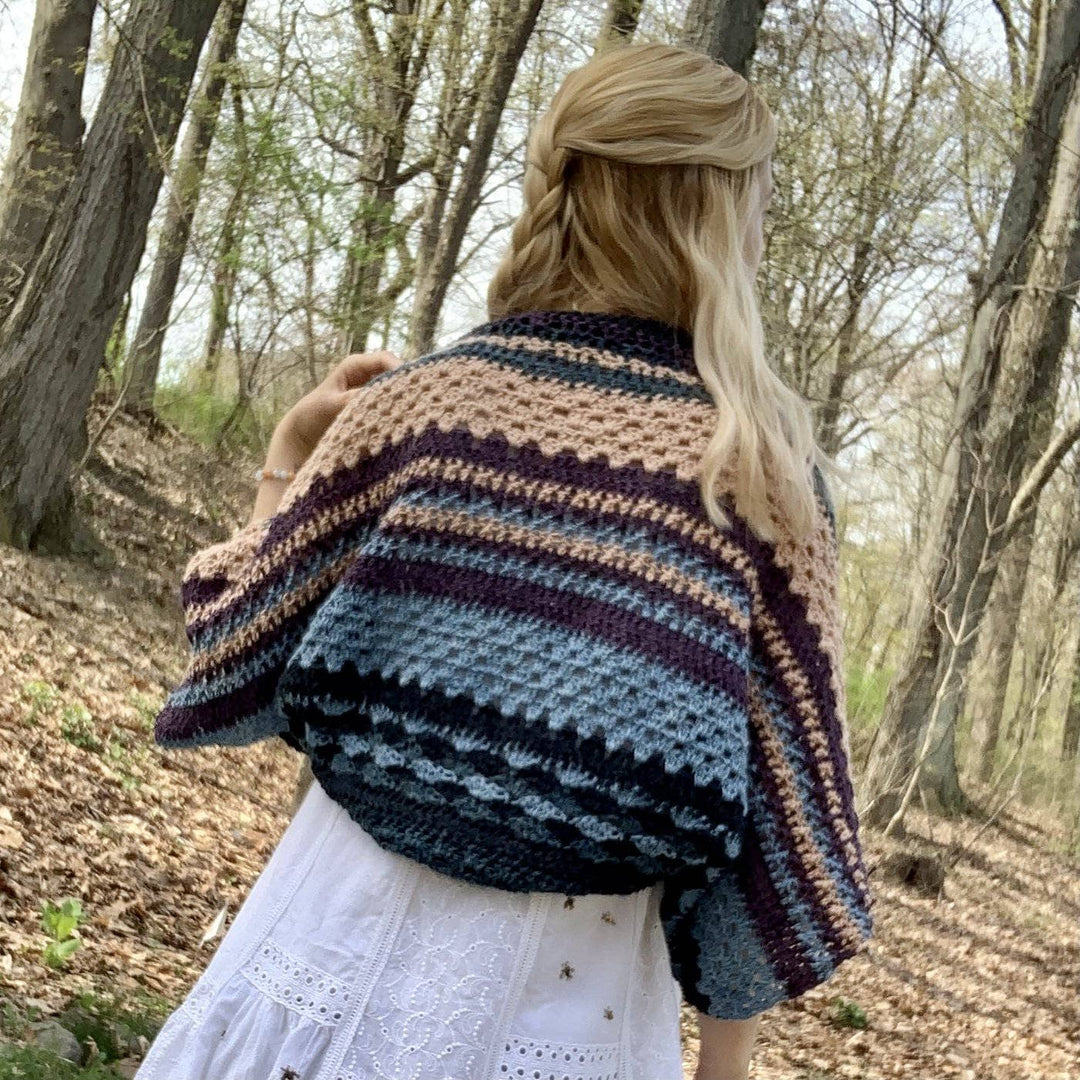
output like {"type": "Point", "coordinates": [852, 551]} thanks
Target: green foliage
{"type": "Point", "coordinates": [205, 414]}
{"type": "Point", "coordinates": [13, 1020]}
{"type": "Point", "coordinates": [866, 690]}
{"type": "Point", "coordinates": [146, 707]}
{"type": "Point", "coordinates": [30, 1063]}
{"type": "Point", "coordinates": [177, 47]}
{"type": "Point", "coordinates": [77, 726]}
{"type": "Point", "coordinates": [41, 697]}
{"type": "Point", "coordinates": [60, 924]}
{"type": "Point", "coordinates": [113, 1021]}
{"type": "Point", "coordinates": [141, 1011]}
{"type": "Point", "coordinates": [848, 1014]}
{"type": "Point", "coordinates": [117, 346]}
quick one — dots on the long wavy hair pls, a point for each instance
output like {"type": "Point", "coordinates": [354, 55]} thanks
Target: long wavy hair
{"type": "Point", "coordinates": [642, 182]}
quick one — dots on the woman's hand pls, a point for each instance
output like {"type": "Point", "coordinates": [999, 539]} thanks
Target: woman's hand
{"type": "Point", "coordinates": [300, 429]}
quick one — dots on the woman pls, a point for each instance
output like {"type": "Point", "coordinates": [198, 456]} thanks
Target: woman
{"type": "Point", "coordinates": [552, 613]}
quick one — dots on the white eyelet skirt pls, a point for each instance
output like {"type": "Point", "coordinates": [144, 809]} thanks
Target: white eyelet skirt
{"type": "Point", "coordinates": [351, 962]}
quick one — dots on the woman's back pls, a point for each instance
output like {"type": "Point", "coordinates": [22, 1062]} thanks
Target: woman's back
{"type": "Point", "coordinates": [494, 614]}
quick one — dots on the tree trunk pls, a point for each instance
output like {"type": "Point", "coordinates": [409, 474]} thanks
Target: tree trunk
{"type": "Point", "coordinates": [45, 138]}
{"type": "Point", "coordinates": [620, 22]}
{"type": "Point", "coordinates": [1009, 376]}
{"type": "Point", "coordinates": [725, 29]}
{"type": "Point", "coordinates": [1034, 400]}
{"type": "Point", "coordinates": [457, 105]}
{"type": "Point", "coordinates": [183, 199]}
{"type": "Point", "coordinates": [516, 27]}
{"type": "Point", "coordinates": [999, 633]}
{"type": "Point", "coordinates": [397, 67]}
{"type": "Point", "coordinates": [1070, 735]}
{"type": "Point", "coordinates": [227, 259]}
{"type": "Point", "coordinates": [1005, 609]}
{"type": "Point", "coordinates": [53, 342]}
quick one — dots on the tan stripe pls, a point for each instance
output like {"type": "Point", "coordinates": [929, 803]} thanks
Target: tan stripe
{"type": "Point", "coordinates": [308, 533]}
{"type": "Point", "coordinates": [477, 396]}
{"type": "Point", "coordinates": [809, 854]}
{"type": "Point", "coordinates": [586, 354]}
{"type": "Point", "coordinates": [227, 557]}
{"type": "Point", "coordinates": [786, 666]}
{"type": "Point", "coordinates": [813, 572]}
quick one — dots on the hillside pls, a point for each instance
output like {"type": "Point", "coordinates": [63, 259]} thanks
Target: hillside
{"type": "Point", "coordinates": [980, 983]}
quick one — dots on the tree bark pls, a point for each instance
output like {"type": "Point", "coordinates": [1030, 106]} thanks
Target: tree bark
{"type": "Point", "coordinates": [518, 19]}
{"type": "Point", "coordinates": [725, 29]}
{"type": "Point", "coordinates": [183, 199]}
{"type": "Point", "coordinates": [1009, 376]}
{"type": "Point", "coordinates": [45, 138]}
{"type": "Point", "coordinates": [987, 699]}
{"type": "Point", "coordinates": [620, 22]}
{"type": "Point", "coordinates": [53, 342]}
{"type": "Point", "coordinates": [1070, 735]}
{"type": "Point", "coordinates": [397, 66]}
{"type": "Point", "coordinates": [227, 258]}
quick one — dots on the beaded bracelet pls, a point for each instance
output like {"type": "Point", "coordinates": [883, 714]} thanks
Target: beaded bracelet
{"type": "Point", "coordinates": [273, 474]}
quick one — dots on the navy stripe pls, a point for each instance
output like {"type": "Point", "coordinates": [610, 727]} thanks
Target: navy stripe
{"type": "Point", "coordinates": [549, 364]}
{"type": "Point", "coordinates": [306, 694]}
{"type": "Point", "coordinates": [488, 854]}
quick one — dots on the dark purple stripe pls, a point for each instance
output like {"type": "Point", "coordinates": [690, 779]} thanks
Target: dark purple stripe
{"type": "Point", "coordinates": [769, 916]}
{"type": "Point", "coordinates": [597, 618]}
{"type": "Point", "coordinates": [202, 590]}
{"type": "Point", "coordinates": [769, 793]}
{"type": "Point", "coordinates": [176, 722]}
{"type": "Point", "coordinates": [638, 336]}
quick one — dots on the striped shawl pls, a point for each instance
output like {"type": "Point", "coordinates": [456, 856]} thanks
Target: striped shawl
{"type": "Point", "coordinates": [493, 612]}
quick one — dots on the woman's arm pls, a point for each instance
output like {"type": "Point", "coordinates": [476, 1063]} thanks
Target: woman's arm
{"type": "Point", "coordinates": [247, 599]}
{"type": "Point", "coordinates": [279, 455]}
{"type": "Point", "coordinates": [725, 1047]}
{"type": "Point", "coordinates": [300, 429]}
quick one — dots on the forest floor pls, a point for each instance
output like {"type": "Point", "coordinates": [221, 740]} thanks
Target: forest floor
{"type": "Point", "coordinates": [981, 982]}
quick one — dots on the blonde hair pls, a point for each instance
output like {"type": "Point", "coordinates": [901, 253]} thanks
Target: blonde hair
{"type": "Point", "coordinates": [641, 181]}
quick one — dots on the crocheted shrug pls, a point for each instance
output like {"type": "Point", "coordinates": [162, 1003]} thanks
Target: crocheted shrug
{"type": "Point", "coordinates": [493, 611]}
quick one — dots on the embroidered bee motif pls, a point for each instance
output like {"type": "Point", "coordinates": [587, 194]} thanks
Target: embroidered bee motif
{"type": "Point", "coordinates": [289, 1074]}
{"type": "Point", "coordinates": [608, 1014]}
{"type": "Point", "coordinates": [568, 903]}
{"type": "Point", "coordinates": [607, 917]}
{"type": "Point", "coordinates": [567, 971]}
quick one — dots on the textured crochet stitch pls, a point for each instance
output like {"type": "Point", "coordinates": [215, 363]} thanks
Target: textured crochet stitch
{"type": "Point", "coordinates": [492, 610]}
